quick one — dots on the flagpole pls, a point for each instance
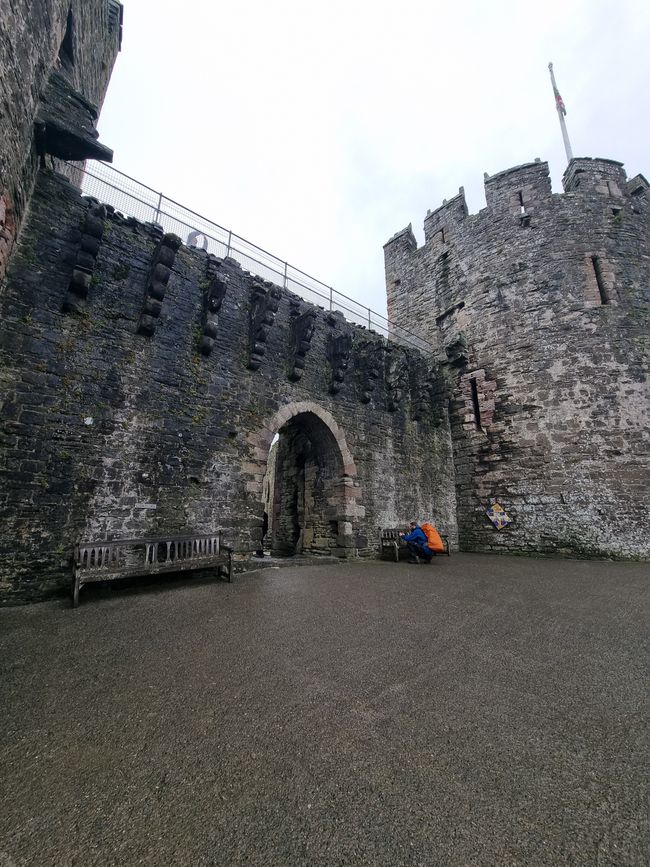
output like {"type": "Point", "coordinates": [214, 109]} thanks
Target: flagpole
{"type": "Point", "coordinates": [561, 111]}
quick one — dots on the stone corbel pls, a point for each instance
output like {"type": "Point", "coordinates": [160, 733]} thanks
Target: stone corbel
{"type": "Point", "coordinates": [369, 360]}
{"type": "Point", "coordinates": [82, 272]}
{"type": "Point", "coordinates": [264, 306]}
{"type": "Point", "coordinates": [65, 124]}
{"type": "Point", "coordinates": [302, 331]}
{"type": "Point", "coordinates": [457, 351]}
{"type": "Point", "coordinates": [215, 292]}
{"type": "Point", "coordinates": [430, 394]}
{"type": "Point", "coordinates": [339, 348]}
{"type": "Point", "coordinates": [161, 269]}
{"type": "Point", "coordinates": [396, 377]}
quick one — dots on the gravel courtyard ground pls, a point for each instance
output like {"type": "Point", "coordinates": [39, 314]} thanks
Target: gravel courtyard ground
{"type": "Point", "coordinates": [482, 710]}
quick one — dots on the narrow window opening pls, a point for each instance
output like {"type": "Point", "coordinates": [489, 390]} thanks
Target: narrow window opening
{"type": "Point", "coordinates": [638, 191]}
{"type": "Point", "coordinates": [475, 404]}
{"type": "Point", "coordinates": [442, 235]}
{"type": "Point", "coordinates": [609, 188]}
{"type": "Point", "coordinates": [595, 261]}
{"type": "Point", "coordinates": [521, 202]}
{"type": "Point", "coordinates": [444, 272]}
{"type": "Point", "coordinates": [66, 51]}
{"type": "Point", "coordinates": [616, 212]}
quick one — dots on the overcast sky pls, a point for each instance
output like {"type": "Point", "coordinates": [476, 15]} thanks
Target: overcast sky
{"type": "Point", "coordinates": [317, 131]}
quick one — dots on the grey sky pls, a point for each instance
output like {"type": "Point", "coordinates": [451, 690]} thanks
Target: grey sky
{"type": "Point", "coordinates": [318, 130]}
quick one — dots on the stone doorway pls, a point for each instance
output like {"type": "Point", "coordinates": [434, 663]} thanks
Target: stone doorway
{"type": "Point", "coordinates": [308, 484]}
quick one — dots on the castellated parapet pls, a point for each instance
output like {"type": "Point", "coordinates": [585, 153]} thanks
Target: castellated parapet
{"type": "Point", "coordinates": [539, 305]}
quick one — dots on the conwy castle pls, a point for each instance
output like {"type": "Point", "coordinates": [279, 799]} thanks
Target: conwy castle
{"type": "Point", "coordinates": [143, 381]}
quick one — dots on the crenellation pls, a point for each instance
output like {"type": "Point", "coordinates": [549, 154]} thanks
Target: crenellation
{"type": "Point", "coordinates": [595, 175]}
{"type": "Point", "coordinates": [519, 190]}
{"type": "Point", "coordinates": [440, 225]}
{"type": "Point", "coordinates": [554, 310]}
{"type": "Point", "coordinates": [405, 237]}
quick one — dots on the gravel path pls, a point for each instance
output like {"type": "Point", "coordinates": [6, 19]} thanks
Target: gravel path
{"type": "Point", "coordinates": [480, 710]}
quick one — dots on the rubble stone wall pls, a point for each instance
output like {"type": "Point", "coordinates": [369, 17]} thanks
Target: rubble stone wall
{"type": "Point", "coordinates": [32, 33]}
{"type": "Point", "coordinates": [540, 302]}
{"type": "Point", "coordinates": [142, 382]}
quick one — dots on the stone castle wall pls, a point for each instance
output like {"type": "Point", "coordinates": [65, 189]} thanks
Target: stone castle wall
{"type": "Point", "coordinates": [79, 38]}
{"type": "Point", "coordinates": [142, 384]}
{"type": "Point", "coordinates": [540, 304]}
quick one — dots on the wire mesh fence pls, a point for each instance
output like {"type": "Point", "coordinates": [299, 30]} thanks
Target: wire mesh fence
{"type": "Point", "coordinates": [134, 199]}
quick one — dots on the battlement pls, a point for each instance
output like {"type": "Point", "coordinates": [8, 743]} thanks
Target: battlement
{"type": "Point", "coordinates": [518, 193]}
{"type": "Point", "coordinates": [405, 237]}
{"type": "Point", "coordinates": [520, 189]}
{"type": "Point", "coordinates": [443, 220]}
{"type": "Point", "coordinates": [637, 185]}
{"type": "Point", "coordinates": [595, 175]}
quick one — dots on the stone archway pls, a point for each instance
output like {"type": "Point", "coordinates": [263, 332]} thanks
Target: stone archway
{"type": "Point", "coordinates": [317, 493]}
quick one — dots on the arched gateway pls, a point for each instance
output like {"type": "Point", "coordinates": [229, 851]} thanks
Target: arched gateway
{"type": "Point", "coordinates": [315, 499]}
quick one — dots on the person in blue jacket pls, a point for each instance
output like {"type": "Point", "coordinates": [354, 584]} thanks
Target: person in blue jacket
{"type": "Point", "coordinates": [417, 544]}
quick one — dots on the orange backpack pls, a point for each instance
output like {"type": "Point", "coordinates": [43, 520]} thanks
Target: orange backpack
{"type": "Point", "coordinates": [434, 541]}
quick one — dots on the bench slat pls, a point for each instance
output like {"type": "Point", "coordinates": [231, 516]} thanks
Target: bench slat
{"type": "Point", "coordinates": [122, 558]}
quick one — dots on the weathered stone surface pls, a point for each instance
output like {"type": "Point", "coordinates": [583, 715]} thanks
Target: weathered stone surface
{"type": "Point", "coordinates": [65, 124]}
{"type": "Point", "coordinates": [302, 332]}
{"type": "Point", "coordinates": [543, 324]}
{"type": "Point", "coordinates": [216, 286]}
{"type": "Point", "coordinates": [161, 269]}
{"type": "Point", "coordinates": [264, 304]}
{"type": "Point", "coordinates": [107, 432]}
{"type": "Point", "coordinates": [76, 40]}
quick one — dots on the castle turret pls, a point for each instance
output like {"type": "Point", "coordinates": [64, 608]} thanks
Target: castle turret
{"type": "Point", "coordinates": [606, 177]}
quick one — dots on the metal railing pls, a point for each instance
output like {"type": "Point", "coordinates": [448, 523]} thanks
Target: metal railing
{"type": "Point", "coordinates": [134, 199]}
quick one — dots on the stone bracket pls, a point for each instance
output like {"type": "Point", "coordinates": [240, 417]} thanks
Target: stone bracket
{"type": "Point", "coordinates": [369, 360]}
{"type": "Point", "coordinates": [65, 124]}
{"type": "Point", "coordinates": [264, 306]}
{"type": "Point", "coordinates": [457, 351]}
{"type": "Point", "coordinates": [339, 348]}
{"type": "Point", "coordinates": [161, 269]}
{"type": "Point", "coordinates": [396, 370]}
{"type": "Point", "coordinates": [302, 331]}
{"type": "Point", "coordinates": [215, 292]}
{"type": "Point", "coordinates": [82, 272]}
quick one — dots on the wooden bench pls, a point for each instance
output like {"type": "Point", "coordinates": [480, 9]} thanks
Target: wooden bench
{"type": "Point", "coordinates": [122, 558]}
{"type": "Point", "coordinates": [389, 541]}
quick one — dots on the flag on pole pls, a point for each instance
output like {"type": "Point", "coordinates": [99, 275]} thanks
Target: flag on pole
{"type": "Point", "coordinates": [561, 111]}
